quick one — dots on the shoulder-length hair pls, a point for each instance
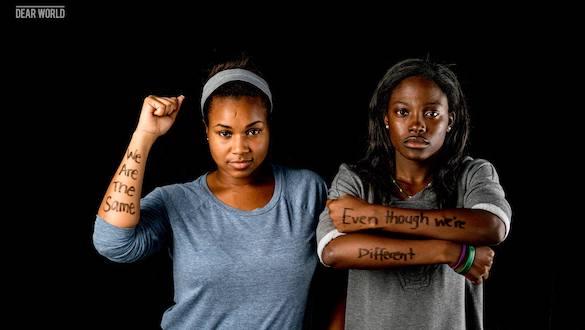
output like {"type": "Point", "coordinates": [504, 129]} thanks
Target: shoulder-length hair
{"type": "Point", "coordinates": [378, 164]}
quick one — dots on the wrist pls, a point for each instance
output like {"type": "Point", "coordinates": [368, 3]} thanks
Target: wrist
{"type": "Point", "coordinates": [144, 138]}
{"type": "Point", "coordinates": [451, 252]}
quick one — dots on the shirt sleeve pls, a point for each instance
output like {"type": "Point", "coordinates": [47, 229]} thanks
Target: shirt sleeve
{"type": "Point", "coordinates": [131, 244]}
{"type": "Point", "coordinates": [346, 182]}
{"type": "Point", "coordinates": [484, 192]}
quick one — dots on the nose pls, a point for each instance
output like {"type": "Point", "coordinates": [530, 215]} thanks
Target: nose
{"type": "Point", "coordinates": [417, 124]}
{"type": "Point", "coordinates": [240, 144]}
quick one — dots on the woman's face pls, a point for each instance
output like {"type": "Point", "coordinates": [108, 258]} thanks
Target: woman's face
{"type": "Point", "coordinates": [238, 134]}
{"type": "Point", "coordinates": [418, 118]}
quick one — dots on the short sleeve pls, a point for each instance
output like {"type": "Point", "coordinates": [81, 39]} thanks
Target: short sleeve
{"type": "Point", "coordinates": [483, 191]}
{"type": "Point", "coordinates": [346, 182]}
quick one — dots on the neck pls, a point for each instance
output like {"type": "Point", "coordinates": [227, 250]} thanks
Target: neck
{"type": "Point", "coordinates": [412, 172]}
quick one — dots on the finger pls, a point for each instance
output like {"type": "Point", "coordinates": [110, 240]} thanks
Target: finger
{"type": "Point", "coordinates": [181, 98]}
{"type": "Point", "coordinates": [178, 106]}
{"type": "Point", "coordinates": [486, 273]}
{"type": "Point", "coordinates": [156, 105]}
{"type": "Point", "coordinates": [473, 279]}
{"type": "Point", "coordinates": [164, 105]}
{"type": "Point", "coordinates": [174, 105]}
{"type": "Point", "coordinates": [169, 105]}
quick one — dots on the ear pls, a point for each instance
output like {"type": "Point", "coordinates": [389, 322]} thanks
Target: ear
{"type": "Point", "coordinates": [451, 119]}
{"type": "Point", "coordinates": [386, 120]}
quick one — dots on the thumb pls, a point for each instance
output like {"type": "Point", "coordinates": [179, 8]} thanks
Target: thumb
{"type": "Point", "coordinates": [180, 98]}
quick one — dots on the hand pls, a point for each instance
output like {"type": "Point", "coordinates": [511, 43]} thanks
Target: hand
{"type": "Point", "coordinates": [158, 114]}
{"type": "Point", "coordinates": [479, 272]}
{"type": "Point", "coordinates": [358, 214]}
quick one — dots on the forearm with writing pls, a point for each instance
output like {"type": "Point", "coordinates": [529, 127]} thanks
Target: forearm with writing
{"type": "Point", "coordinates": [471, 226]}
{"type": "Point", "coordinates": [121, 203]}
{"type": "Point", "coordinates": [369, 251]}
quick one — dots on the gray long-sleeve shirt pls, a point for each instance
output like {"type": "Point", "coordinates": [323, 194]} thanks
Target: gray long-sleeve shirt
{"type": "Point", "coordinates": [232, 269]}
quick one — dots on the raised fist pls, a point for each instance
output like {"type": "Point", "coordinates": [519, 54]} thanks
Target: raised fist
{"type": "Point", "coordinates": [158, 114]}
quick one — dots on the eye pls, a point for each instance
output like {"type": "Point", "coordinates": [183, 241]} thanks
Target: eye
{"type": "Point", "coordinates": [253, 131]}
{"type": "Point", "coordinates": [224, 133]}
{"type": "Point", "coordinates": [402, 112]}
{"type": "Point", "coordinates": [431, 113]}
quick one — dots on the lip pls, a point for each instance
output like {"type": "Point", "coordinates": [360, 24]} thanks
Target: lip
{"type": "Point", "coordinates": [416, 142]}
{"type": "Point", "coordinates": [240, 164]}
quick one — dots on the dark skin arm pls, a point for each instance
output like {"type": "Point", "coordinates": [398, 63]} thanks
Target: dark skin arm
{"type": "Point", "coordinates": [337, 321]}
{"type": "Point", "coordinates": [370, 251]}
{"type": "Point", "coordinates": [477, 227]}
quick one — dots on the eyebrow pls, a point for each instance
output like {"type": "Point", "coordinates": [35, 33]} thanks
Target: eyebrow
{"type": "Point", "coordinates": [250, 124]}
{"type": "Point", "coordinates": [254, 123]}
{"type": "Point", "coordinates": [429, 103]}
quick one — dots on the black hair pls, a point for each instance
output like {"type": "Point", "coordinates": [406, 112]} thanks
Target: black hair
{"type": "Point", "coordinates": [378, 163]}
{"type": "Point", "coordinates": [236, 88]}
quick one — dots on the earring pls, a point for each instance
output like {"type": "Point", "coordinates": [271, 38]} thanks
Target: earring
{"type": "Point", "coordinates": [387, 127]}
{"type": "Point", "coordinates": [448, 128]}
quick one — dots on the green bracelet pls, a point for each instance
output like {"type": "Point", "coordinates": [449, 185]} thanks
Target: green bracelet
{"type": "Point", "coordinates": [469, 262]}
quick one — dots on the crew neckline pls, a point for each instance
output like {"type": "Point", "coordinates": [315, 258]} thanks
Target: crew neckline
{"type": "Point", "coordinates": [276, 172]}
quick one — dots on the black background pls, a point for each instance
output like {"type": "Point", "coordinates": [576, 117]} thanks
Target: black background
{"type": "Point", "coordinates": [76, 85]}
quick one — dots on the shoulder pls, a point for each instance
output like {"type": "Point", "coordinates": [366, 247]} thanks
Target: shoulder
{"type": "Point", "coordinates": [472, 166]}
{"type": "Point", "coordinates": [347, 181]}
{"type": "Point", "coordinates": [299, 175]}
{"type": "Point", "coordinates": [348, 169]}
{"type": "Point", "coordinates": [301, 184]}
{"type": "Point", "coordinates": [180, 191]}
{"type": "Point", "coordinates": [348, 173]}
{"type": "Point", "coordinates": [475, 169]}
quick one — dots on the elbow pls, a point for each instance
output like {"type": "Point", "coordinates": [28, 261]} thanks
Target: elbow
{"type": "Point", "coordinates": [113, 252]}
{"type": "Point", "coordinates": [331, 256]}
{"type": "Point", "coordinates": [495, 233]}
{"type": "Point", "coordinates": [122, 245]}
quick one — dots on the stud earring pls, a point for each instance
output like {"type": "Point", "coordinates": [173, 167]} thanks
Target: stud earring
{"type": "Point", "coordinates": [387, 127]}
{"type": "Point", "coordinates": [448, 128]}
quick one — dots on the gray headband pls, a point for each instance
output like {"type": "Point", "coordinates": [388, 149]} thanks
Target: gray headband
{"type": "Point", "coordinates": [226, 76]}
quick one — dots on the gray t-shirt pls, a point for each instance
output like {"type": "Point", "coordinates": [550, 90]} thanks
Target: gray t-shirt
{"type": "Point", "coordinates": [232, 269]}
{"type": "Point", "coordinates": [416, 297]}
